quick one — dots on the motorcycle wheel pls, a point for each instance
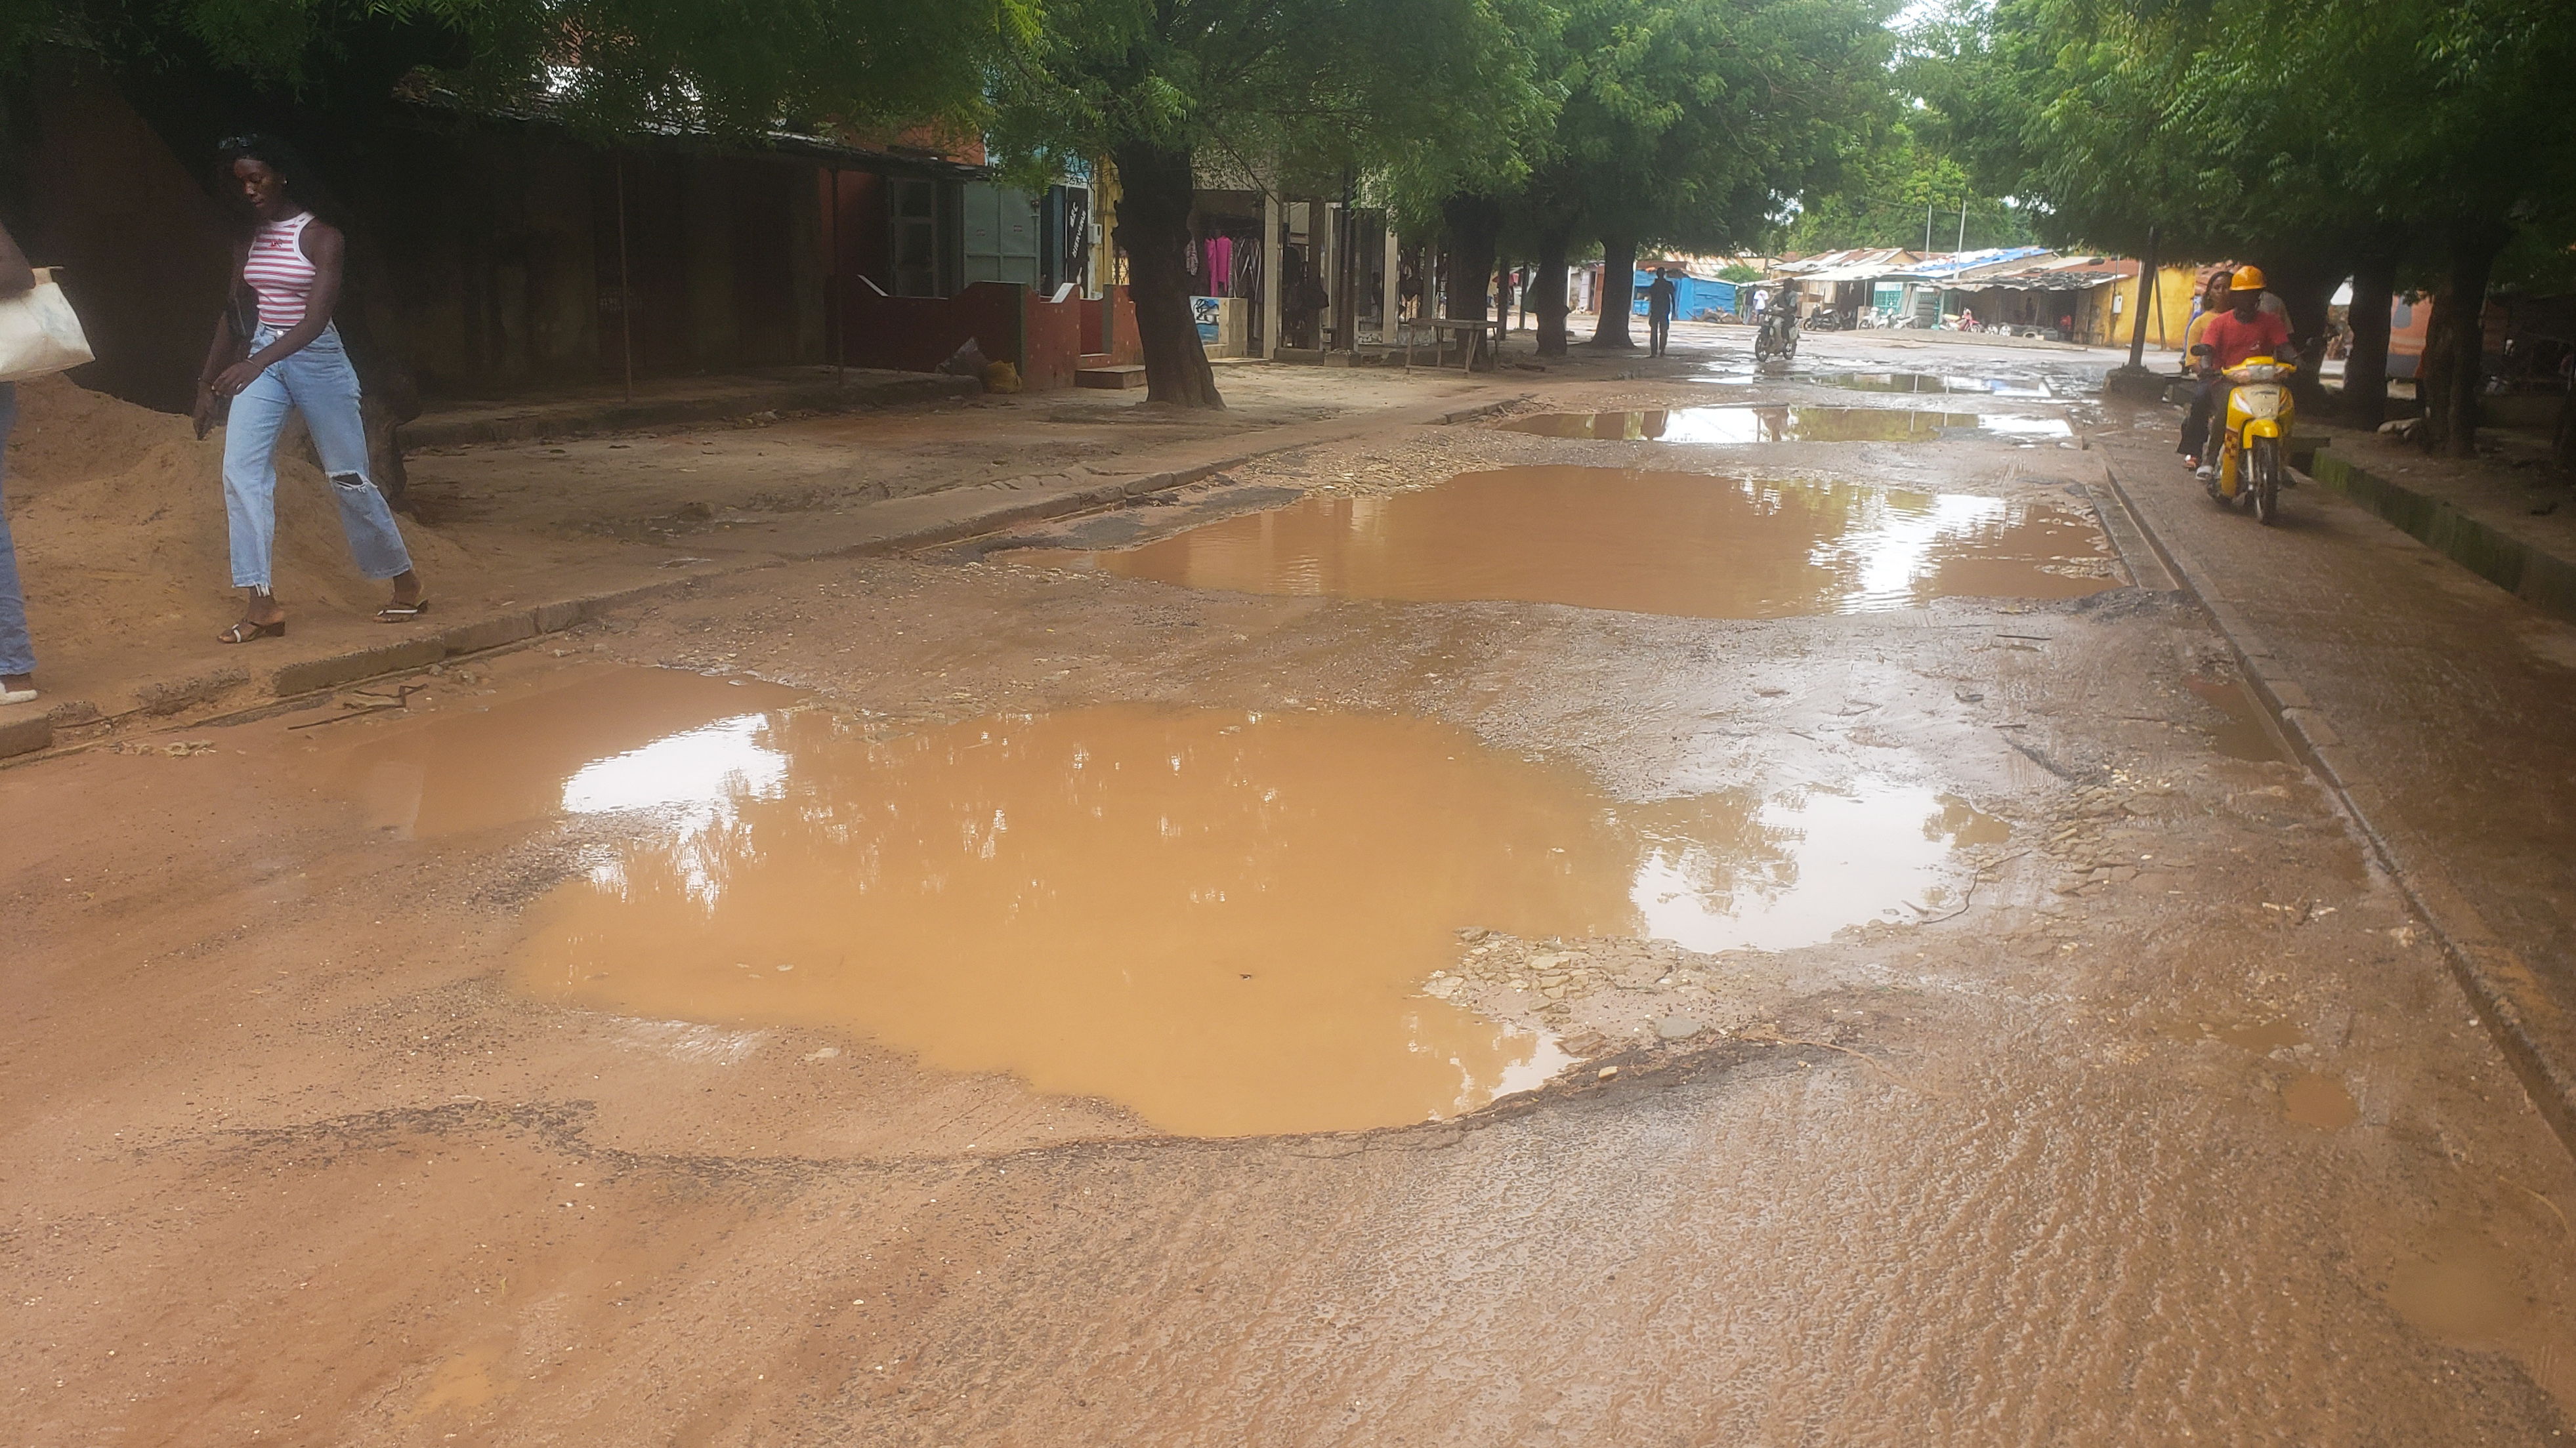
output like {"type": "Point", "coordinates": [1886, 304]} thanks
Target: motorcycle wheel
{"type": "Point", "coordinates": [2265, 457]}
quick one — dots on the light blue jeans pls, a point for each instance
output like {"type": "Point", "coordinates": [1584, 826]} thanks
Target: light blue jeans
{"type": "Point", "coordinates": [17, 653]}
{"type": "Point", "coordinates": [319, 383]}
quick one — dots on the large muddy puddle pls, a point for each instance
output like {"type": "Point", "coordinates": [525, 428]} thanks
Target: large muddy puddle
{"type": "Point", "coordinates": [1789, 424]}
{"type": "Point", "coordinates": [1636, 541]}
{"type": "Point", "coordinates": [1221, 919]}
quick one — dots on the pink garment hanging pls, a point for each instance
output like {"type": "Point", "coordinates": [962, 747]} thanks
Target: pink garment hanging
{"type": "Point", "coordinates": [1220, 265]}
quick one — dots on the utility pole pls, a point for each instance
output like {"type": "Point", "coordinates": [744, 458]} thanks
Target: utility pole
{"type": "Point", "coordinates": [2138, 321]}
{"type": "Point", "coordinates": [1927, 228]}
{"type": "Point", "coordinates": [1963, 223]}
{"type": "Point", "coordinates": [2135, 380]}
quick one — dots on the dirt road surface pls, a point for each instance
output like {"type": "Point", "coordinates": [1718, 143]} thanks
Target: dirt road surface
{"type": "Point", "coordinates": [1905, 991]}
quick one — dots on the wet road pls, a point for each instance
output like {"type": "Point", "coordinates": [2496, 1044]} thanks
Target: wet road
{"type": "Point", "coordinates": [1973, 1036]}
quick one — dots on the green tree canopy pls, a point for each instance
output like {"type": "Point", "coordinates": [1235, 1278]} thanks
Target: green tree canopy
{"type": "Point", "coordinates": [2324, 138]}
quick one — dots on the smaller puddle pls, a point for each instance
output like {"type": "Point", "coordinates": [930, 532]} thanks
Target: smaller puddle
{"type": "Point", "coordinates": [1639, 542]}
{"type": "Point", "coordinates": [2463, 1288]}
{"type": "Point", "coordinates": [1785, 424]}
{"type": "Point", "coordinates": [2246, 732]}
{"type": "Point", "coordinates": [2260, 1037]}
{"type": "Point", "coordinates": [2319, 1101]}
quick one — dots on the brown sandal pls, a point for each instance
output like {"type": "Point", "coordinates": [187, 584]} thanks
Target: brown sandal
{"type": "Point", "coordinates": [246, 630]}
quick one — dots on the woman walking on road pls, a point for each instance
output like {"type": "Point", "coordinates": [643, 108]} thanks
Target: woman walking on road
{"type": "Point", "coordinates": [17, 652]}
{"type": "Point", "coordinates": [285, 283]}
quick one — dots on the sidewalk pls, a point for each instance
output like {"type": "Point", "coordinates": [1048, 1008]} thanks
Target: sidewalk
{"type": "Point", "coordinates": [548, 585]}
{"type": "Point", "coordinates": [2513, 526]}
{"type": "Point", "coordinates": [2441, 709]}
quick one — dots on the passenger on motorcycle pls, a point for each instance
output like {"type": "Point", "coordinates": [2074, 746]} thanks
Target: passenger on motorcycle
{"type": "Point", "coordinates": [2226, 340]}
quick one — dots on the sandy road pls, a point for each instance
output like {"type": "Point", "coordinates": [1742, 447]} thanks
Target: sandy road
{"type": "Point", "coordinates": [2174, 1128]}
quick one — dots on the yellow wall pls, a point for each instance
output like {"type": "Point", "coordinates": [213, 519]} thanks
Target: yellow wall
{"type": "Point", "coordinates": [2164, 328]}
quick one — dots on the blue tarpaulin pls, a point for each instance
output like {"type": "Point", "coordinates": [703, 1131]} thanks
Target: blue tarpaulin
{"type": "Point", "coordinates": [1692, 296]}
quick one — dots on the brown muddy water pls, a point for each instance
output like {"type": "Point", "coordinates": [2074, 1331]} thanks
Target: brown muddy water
{"type": "Point", "coordinates": [1222, 920]}
{"type": "Point", "coordinates": [1636, 541]}
{"type": "Point", "coordinates": [2245, 730]}
{"type": "Point", "coordinates": [1786, 424]}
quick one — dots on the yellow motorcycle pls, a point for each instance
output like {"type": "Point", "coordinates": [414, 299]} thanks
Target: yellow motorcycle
{"type": "Point", "coordinates": [2254, 463]}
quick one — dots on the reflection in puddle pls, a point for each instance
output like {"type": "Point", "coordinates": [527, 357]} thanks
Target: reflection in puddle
{"type": "Point", "coordinates": [1642, 542]}
{"type": "Point", "coordinates": [1949, 383]}
{"type": "Point", "coordinates": [1220, 919]}
{"type": "Point", "coordinates": [1785, 424]}
{"type": "Point", "coordinates": [2246, 732]}
{"type": "Point", "coordinates": [593, 743]}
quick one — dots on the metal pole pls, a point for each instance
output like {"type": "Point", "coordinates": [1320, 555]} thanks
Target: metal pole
{"type": "Point", "coordinates": [2138, 323]}
{"type": "Point", "coordinates": [832, 287]}
{"type": "Point", "coordinates": [1927, 228]}
{"type": "Point", "coordinates": [1963, 223]}
{"type": "Point", "coordinates": [625, 288]}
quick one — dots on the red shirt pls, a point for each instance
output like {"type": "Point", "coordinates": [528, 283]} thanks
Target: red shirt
{"type": "Point", "coordinates": [2236, 340]}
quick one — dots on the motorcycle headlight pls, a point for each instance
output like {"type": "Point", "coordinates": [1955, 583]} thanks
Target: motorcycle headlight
{"type": "Point", "coordinates": [2255, 372]}
{"type": "Point", "coordinates": [2259, 401]}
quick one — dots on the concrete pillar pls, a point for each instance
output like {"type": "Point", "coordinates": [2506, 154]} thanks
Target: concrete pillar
{"type": "Point", "coordinates": [1329, 247]}
{"type": "Point", "coordinates": [1270, 264]}
{"type": "Point", "coordinates": [1392, 300]}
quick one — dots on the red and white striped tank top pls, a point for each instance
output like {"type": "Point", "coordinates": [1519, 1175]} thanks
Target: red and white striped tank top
{"type": "Point", "coordinates": [279, 272]}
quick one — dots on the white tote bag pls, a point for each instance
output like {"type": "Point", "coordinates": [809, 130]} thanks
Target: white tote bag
{"type": "Point", "coordinates": [38, 333]}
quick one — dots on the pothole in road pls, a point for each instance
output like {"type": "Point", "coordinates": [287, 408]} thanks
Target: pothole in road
{"type": "Point", "coordinates": [1635, 541]}
{"type": "Point", "coordinates": [2246, 732]}
{"type": "Point", "coordinates": [1223, 920]}
{"type": "Point", "coordinates": [1789, 424]}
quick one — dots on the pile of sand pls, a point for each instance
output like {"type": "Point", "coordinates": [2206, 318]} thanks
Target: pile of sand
{"type": "Point", "coordinates": [118, 513]}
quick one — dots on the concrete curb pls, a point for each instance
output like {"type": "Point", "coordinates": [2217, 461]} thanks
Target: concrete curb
{"type": "Point", "coordinates": [2507, 996]}
{"type": "Point", "coordinates": [2544, 580]}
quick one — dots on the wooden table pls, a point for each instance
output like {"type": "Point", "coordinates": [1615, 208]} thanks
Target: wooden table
{"type": "Point", "coordinates": [1468, 328]}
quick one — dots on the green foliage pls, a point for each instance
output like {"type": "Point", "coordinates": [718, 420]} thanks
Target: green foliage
{"type": "Point", "coordinates": [1305, 89]}
{"type": "Point", "coordinates": [2262, 125]}
{"type": "Point", "coordinates": [1888, 193]}
{"type": "Point", "coordinates": [1739, 272]}
{"type": "Point", "coordinates": [704, 65]}
{"type": "Point", "coordinates": [1677, 123]}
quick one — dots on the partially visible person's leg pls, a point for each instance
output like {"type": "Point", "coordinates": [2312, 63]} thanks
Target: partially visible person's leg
{"type": "Point", "coordinates": [325, 389]}
{"type": "Point", "coordinates": [250, 489]}
{"type": "Point", "coordinates": [2195, 426]}
{"type": "Point", "coordinates": [17, 652]}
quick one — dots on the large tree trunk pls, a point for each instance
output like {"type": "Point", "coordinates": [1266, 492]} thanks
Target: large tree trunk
{"type": "Point", "coordinates": [1154, 230]}
{"type": "Point", "coordinates": [1548, 291]}
{"type": "Point", "coordinates": [1618, 292]}
{"type": "Point", "coordinates": [2306, 285]}
{"type": "Point", "coordinates": [2454, 353]}
{"type": "Point", "coordinates": [2365, 367]}
{"type": "Point", "coordinates": [1475, 223]}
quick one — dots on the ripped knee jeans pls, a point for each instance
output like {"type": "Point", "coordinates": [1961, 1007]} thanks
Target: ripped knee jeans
{"type": "Point", "coordinates": [319, 383]}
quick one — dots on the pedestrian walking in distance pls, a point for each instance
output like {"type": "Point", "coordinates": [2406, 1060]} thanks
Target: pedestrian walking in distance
{"type": "Point", "coordinates": [1659, 312]}
{"type": "Point", "coordinates": [274, 349]}
{"type": "Point", "coordinates": [17, 651]}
